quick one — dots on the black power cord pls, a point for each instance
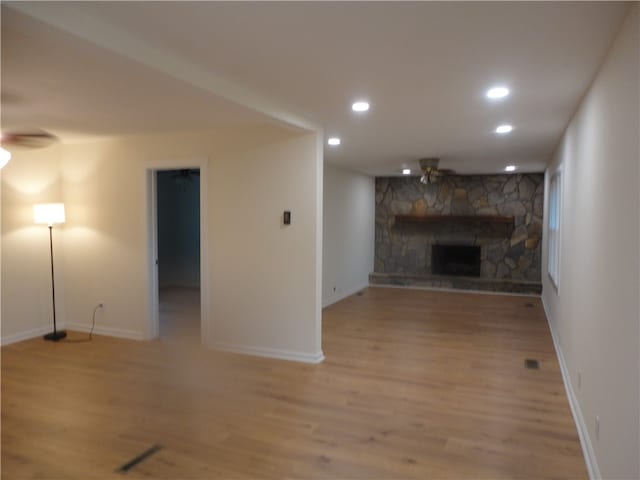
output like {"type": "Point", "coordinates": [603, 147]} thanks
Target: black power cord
{"type": "Point", "coordinates": [93, 324]}
{"type": "Point", "coordinates": [93, 319]}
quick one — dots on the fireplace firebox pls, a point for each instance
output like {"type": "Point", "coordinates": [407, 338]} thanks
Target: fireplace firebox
{"type": "Point", "coordinates": [463, 260]}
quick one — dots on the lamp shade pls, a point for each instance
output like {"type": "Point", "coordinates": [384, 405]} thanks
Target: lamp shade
{"type": "Point", "coordinates": [48, 213]}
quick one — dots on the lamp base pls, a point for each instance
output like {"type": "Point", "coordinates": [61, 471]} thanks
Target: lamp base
{"type": "Point", "coordinates": [55, 336]}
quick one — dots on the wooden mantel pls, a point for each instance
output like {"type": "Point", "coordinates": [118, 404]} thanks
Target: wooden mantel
{"type": "Point", "coordinates": [495, 219]}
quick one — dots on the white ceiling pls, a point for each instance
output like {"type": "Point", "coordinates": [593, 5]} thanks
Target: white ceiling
{"type": "Point", "coordinates": [76, 89]}
{"type": "Point", "coordinates": [109, 68]}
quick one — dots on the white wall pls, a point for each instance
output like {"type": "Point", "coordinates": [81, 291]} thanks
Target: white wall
{"type": "Point", "coordinates": [262, 277]}
{"type": "Point", "coordinates": [348, 233]}
{"type": "Point", "coordinates": [32, 176]}
{"type": "Point", "coordinates": [595, 315]}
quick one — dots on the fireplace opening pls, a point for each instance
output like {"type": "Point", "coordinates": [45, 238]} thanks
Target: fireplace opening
{"type": "Point", "coordinates": [461, 260]}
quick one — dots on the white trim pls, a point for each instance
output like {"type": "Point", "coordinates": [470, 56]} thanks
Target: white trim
{"type": "Point", "coordinates": [319, 230]}
{"type": "Point", "coordinates": [27, 335]}
{"type": "Point", "coordinates": [576, 411]}
{"type": "Point", "coordinates": [270, 353]}
{"type": "Point", "coordinates": [455, 290]}
{"type": "Point", "coordinates": [108, 331]}
{"type": "Point", "coordinates": [205, 320]}
{"type": "Point", "coordinates": [153, 296]}
{"type": "Point", "coordinates": [341, 296]}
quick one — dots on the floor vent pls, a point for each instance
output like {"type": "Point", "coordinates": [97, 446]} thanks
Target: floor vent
{"type": "Point", "coordinates": [360, 294]}
{"type": "Point", "coordinates": [140, 458]}
{"type": "Point", "coordinates": [532, 364]}
{"type": "Point", "coordinates": [529, 305]}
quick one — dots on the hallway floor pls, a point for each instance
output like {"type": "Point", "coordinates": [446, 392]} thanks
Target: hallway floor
{"type": "Point", "coordinates": [180, 315]}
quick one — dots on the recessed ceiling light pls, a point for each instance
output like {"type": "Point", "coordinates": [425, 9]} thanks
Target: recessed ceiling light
{"type": "Point", "coordinates": [504, 129]}
{"type": "Point", "coordinates": [509, 168]}
{"type": "Point", "coordinates": [333, 141]}
{"type": "Point", "coordinates": [406, 171]}
{"type": "Point", "coordinates": [360, 106]}
{"type": "Point", "coordinates": [497, 92]}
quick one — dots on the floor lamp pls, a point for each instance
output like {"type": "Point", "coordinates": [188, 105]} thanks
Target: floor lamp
{"type": "Point", "coordinates": [51, 214]}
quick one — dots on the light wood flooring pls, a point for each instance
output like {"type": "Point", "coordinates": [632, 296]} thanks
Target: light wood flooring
{"type": "Point", "coordinates": [416, 384]}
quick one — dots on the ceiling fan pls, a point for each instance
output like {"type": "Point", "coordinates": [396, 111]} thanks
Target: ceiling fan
{"type": "Point", "coordinates": [28, 138]}
{"type": "Point", "coordinates": [34, 138]}
{"type": "Point", "coordinates": [430, 171]}
{"type": "Point", "coordinates": [186, 174]}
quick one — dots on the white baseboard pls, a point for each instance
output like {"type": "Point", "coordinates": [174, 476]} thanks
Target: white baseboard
{"type": "Point", "coordinates": [341, 296]}
{"type": "Point", "coordinates": [454, 290]}
{"type": "Point", "coordinates": [270, 353]}
{"type": "Point", "coordinates": [578, 418]}
{"type": "Point", "coordinates": [108, 331]}
{"type": "Point", "coordinates": [27, 335]}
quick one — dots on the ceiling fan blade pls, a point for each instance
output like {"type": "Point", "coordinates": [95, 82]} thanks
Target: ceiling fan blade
{"type": "Point", "coordinates": [29, 139]}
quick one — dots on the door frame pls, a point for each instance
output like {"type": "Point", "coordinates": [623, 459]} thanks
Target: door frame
{"type": "Point", "coordinates": [152, 169]}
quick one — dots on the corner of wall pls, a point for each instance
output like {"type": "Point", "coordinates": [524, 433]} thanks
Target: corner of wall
{"type": "Point", "coordinates": [348, 237]}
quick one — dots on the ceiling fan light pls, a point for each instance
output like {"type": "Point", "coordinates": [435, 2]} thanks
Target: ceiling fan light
{"type": "Point", "coordinates": [5, 156]}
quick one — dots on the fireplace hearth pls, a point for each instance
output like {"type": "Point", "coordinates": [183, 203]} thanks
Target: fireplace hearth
{"type": "Point", "coordinates": [463, 260]}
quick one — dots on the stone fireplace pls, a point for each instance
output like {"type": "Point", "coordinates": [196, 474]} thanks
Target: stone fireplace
{"type": "Point", "coordinates": [498, 217]}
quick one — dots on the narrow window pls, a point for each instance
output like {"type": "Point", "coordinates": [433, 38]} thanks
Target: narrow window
{"type": "Point", "coordinates": [554, 228]}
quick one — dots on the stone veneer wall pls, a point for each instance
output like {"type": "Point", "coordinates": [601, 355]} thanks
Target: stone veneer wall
{"type": "Point", "coordinates": [508, 253]}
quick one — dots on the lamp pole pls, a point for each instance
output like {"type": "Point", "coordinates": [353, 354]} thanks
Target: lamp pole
{"type": "Point", "coordinates": [55, 335]}
{"type": "Point", "coordinates": [51, 214]}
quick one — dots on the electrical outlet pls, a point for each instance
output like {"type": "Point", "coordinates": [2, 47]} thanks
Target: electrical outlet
{"type": "Point", "coordinates": [579, 379]}
{"type": "Point", "coordinates": [597, 427]}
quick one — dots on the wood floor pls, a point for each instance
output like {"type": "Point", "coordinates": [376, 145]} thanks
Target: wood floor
{"type": "Point", "coordinates": [416, 384]}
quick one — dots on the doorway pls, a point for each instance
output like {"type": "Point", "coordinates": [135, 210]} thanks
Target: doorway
{"type": "Point", "coordinates": [177, 251]}
{"type": "Point", "coordinates": [178, 226]}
